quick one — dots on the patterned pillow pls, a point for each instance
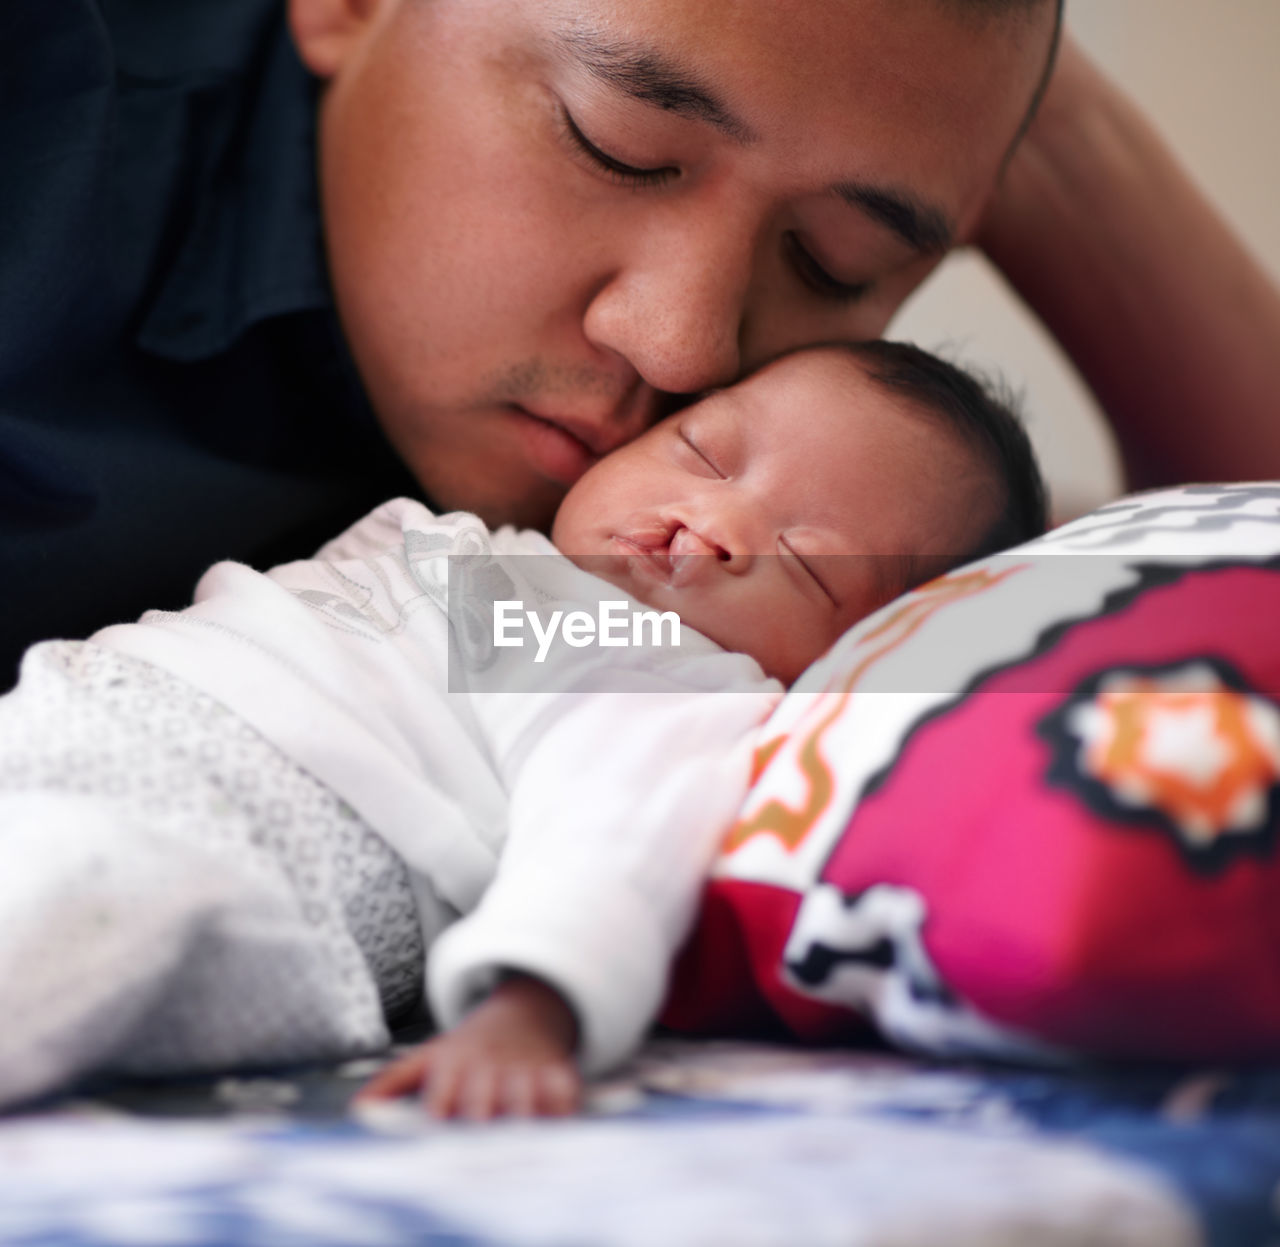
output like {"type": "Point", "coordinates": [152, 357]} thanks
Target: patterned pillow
{"type": "Point", "coordinates": [1029, 810]}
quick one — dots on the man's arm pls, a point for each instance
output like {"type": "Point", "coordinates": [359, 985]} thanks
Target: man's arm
{"type": "Point", "coordinates": [1171, 321]}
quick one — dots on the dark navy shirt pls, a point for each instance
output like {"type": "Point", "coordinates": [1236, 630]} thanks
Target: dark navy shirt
{"type": "Point", "coordinates": [173, 386]}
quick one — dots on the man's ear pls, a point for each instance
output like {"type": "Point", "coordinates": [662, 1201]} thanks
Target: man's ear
{"type": "Point", "coordinates": [326, 31]}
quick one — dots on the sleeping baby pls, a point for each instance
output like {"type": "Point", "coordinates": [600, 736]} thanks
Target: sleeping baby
{"type": "Point", "coordinates": [248, 832]}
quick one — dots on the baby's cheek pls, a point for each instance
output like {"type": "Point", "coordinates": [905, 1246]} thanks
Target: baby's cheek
{"type": "Point", "coordinates": [821, 643]}
{"type": "Point", "coordinates": [790, 637]}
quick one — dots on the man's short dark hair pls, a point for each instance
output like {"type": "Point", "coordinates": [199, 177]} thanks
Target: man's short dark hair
{"type": "Point", "coordinates": [1046, 73]}
{"type": "Point", "coordinates": [998, 9]}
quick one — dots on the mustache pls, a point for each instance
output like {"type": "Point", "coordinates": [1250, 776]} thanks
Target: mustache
{"type": "Point", "coordinates": [535, 380]}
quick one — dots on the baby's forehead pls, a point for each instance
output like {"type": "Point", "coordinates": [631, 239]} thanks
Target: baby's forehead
{"type": "Point", "coordinates": [846, 385]}
{"type": "Point", "coordinates": [818, 408]}
{"type": "Point", "coordinates": [833, 377]}
{"type": "Point", "coordinates": [829, 360]}
{"type": "Point", "coordinates": [832, 387]}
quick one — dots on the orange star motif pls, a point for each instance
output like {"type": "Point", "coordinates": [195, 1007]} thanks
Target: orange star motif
{"type": "Point", "coordinates": [1184, 744]}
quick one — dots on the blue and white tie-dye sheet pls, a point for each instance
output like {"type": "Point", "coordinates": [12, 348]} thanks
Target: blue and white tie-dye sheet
{"type": "Point", "coordinates": [699, 1143]}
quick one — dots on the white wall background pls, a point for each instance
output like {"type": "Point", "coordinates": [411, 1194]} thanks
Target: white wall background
{"type": "Point", "coordinates": [1208, 73]}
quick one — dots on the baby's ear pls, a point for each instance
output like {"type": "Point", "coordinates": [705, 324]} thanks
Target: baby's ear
{"type": "Point", "coordinates": [326, 32]}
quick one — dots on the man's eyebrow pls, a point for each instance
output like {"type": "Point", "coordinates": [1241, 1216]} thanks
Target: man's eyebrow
{"type": "Point", "coordinates": [647, 75]}
{"type": "Point", "coordinates": [921, 226]}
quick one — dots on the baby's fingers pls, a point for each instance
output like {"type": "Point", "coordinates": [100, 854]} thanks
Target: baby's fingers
{"type": "Point", "coordinates": [478, 1097]}
{"type": "Point", "coordinates": [403, 1075]}
{"type": "Point", "coordinates": [487, 1090]}
{"type": "Point", "coordinates": [453, 1081]}
{"type": "Point", "coordinates": [520, 1092]}
{"type": "Point", "coordinates": [558, 1091]}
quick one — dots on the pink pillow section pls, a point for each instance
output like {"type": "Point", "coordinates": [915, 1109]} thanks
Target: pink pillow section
{"type": "Point", "coordinates": [1029, 810]}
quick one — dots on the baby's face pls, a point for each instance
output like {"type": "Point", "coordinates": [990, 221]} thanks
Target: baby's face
{"type": "Point", "coordinates": [763, 513]}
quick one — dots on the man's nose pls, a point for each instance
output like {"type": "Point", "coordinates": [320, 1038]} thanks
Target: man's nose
{"type": "Point", "coordinates": [675, 303]}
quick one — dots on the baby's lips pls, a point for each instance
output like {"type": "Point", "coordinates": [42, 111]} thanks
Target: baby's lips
{"type": "Point", "coordinates": [646, 551]}
{"type": "Point", "coordinates": [689, 554]}
{"type": "Point", "coordinates": [652, 539]}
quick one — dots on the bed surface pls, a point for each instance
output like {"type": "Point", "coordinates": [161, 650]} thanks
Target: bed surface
{"type": "Point", "coordinates": [697, 1143]}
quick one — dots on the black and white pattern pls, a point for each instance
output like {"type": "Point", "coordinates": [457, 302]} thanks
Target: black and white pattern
{"type": "Point", "coordinates": [175, 892]}
{"type": "Point", "coordinates": [866, 952]}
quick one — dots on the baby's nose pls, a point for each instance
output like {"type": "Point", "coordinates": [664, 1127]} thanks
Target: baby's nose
{"type": "Point", "coordinates": [707, 543]}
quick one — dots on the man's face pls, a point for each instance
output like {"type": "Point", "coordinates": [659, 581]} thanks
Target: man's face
{"type": "Point", "coordinates": [545, 216]}
{"type": "Point", "coordinates": [774, 515]}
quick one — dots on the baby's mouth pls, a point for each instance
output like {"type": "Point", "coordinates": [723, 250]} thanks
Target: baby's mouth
{"type": "Point", "coordinates": [668, 552]}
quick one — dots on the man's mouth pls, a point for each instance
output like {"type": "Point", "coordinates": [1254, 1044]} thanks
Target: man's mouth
{"type": "Point", "coordinates": [596, 433]}
{"type": "Point", "coordinates": [558, 449]}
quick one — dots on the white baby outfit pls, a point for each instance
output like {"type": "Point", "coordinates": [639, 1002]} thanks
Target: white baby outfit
{"type": "Point", "coordinates": [228, 833]}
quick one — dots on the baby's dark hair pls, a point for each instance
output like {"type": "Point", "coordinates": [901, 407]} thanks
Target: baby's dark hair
{"type": "Point", "coordinates": [985, 417]}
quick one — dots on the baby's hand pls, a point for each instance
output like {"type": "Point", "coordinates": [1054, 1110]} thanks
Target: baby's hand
{"type": "Point", "coordinates": [512, 1054]}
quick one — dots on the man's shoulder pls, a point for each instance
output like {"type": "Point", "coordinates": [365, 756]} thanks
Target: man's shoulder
{"type": "Point", "coordinates": [154, 143]}
{"type": "Point", "coordinates": [168, 42]}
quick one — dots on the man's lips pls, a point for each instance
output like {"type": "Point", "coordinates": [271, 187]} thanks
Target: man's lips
{"type": "Point", "coordinates": [599, 433]}
{"type": "Point", "coordinates": [554, 449]}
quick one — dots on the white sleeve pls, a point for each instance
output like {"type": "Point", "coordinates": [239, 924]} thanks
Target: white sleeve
{"type": "Point", "coordinates": [616, 813]}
